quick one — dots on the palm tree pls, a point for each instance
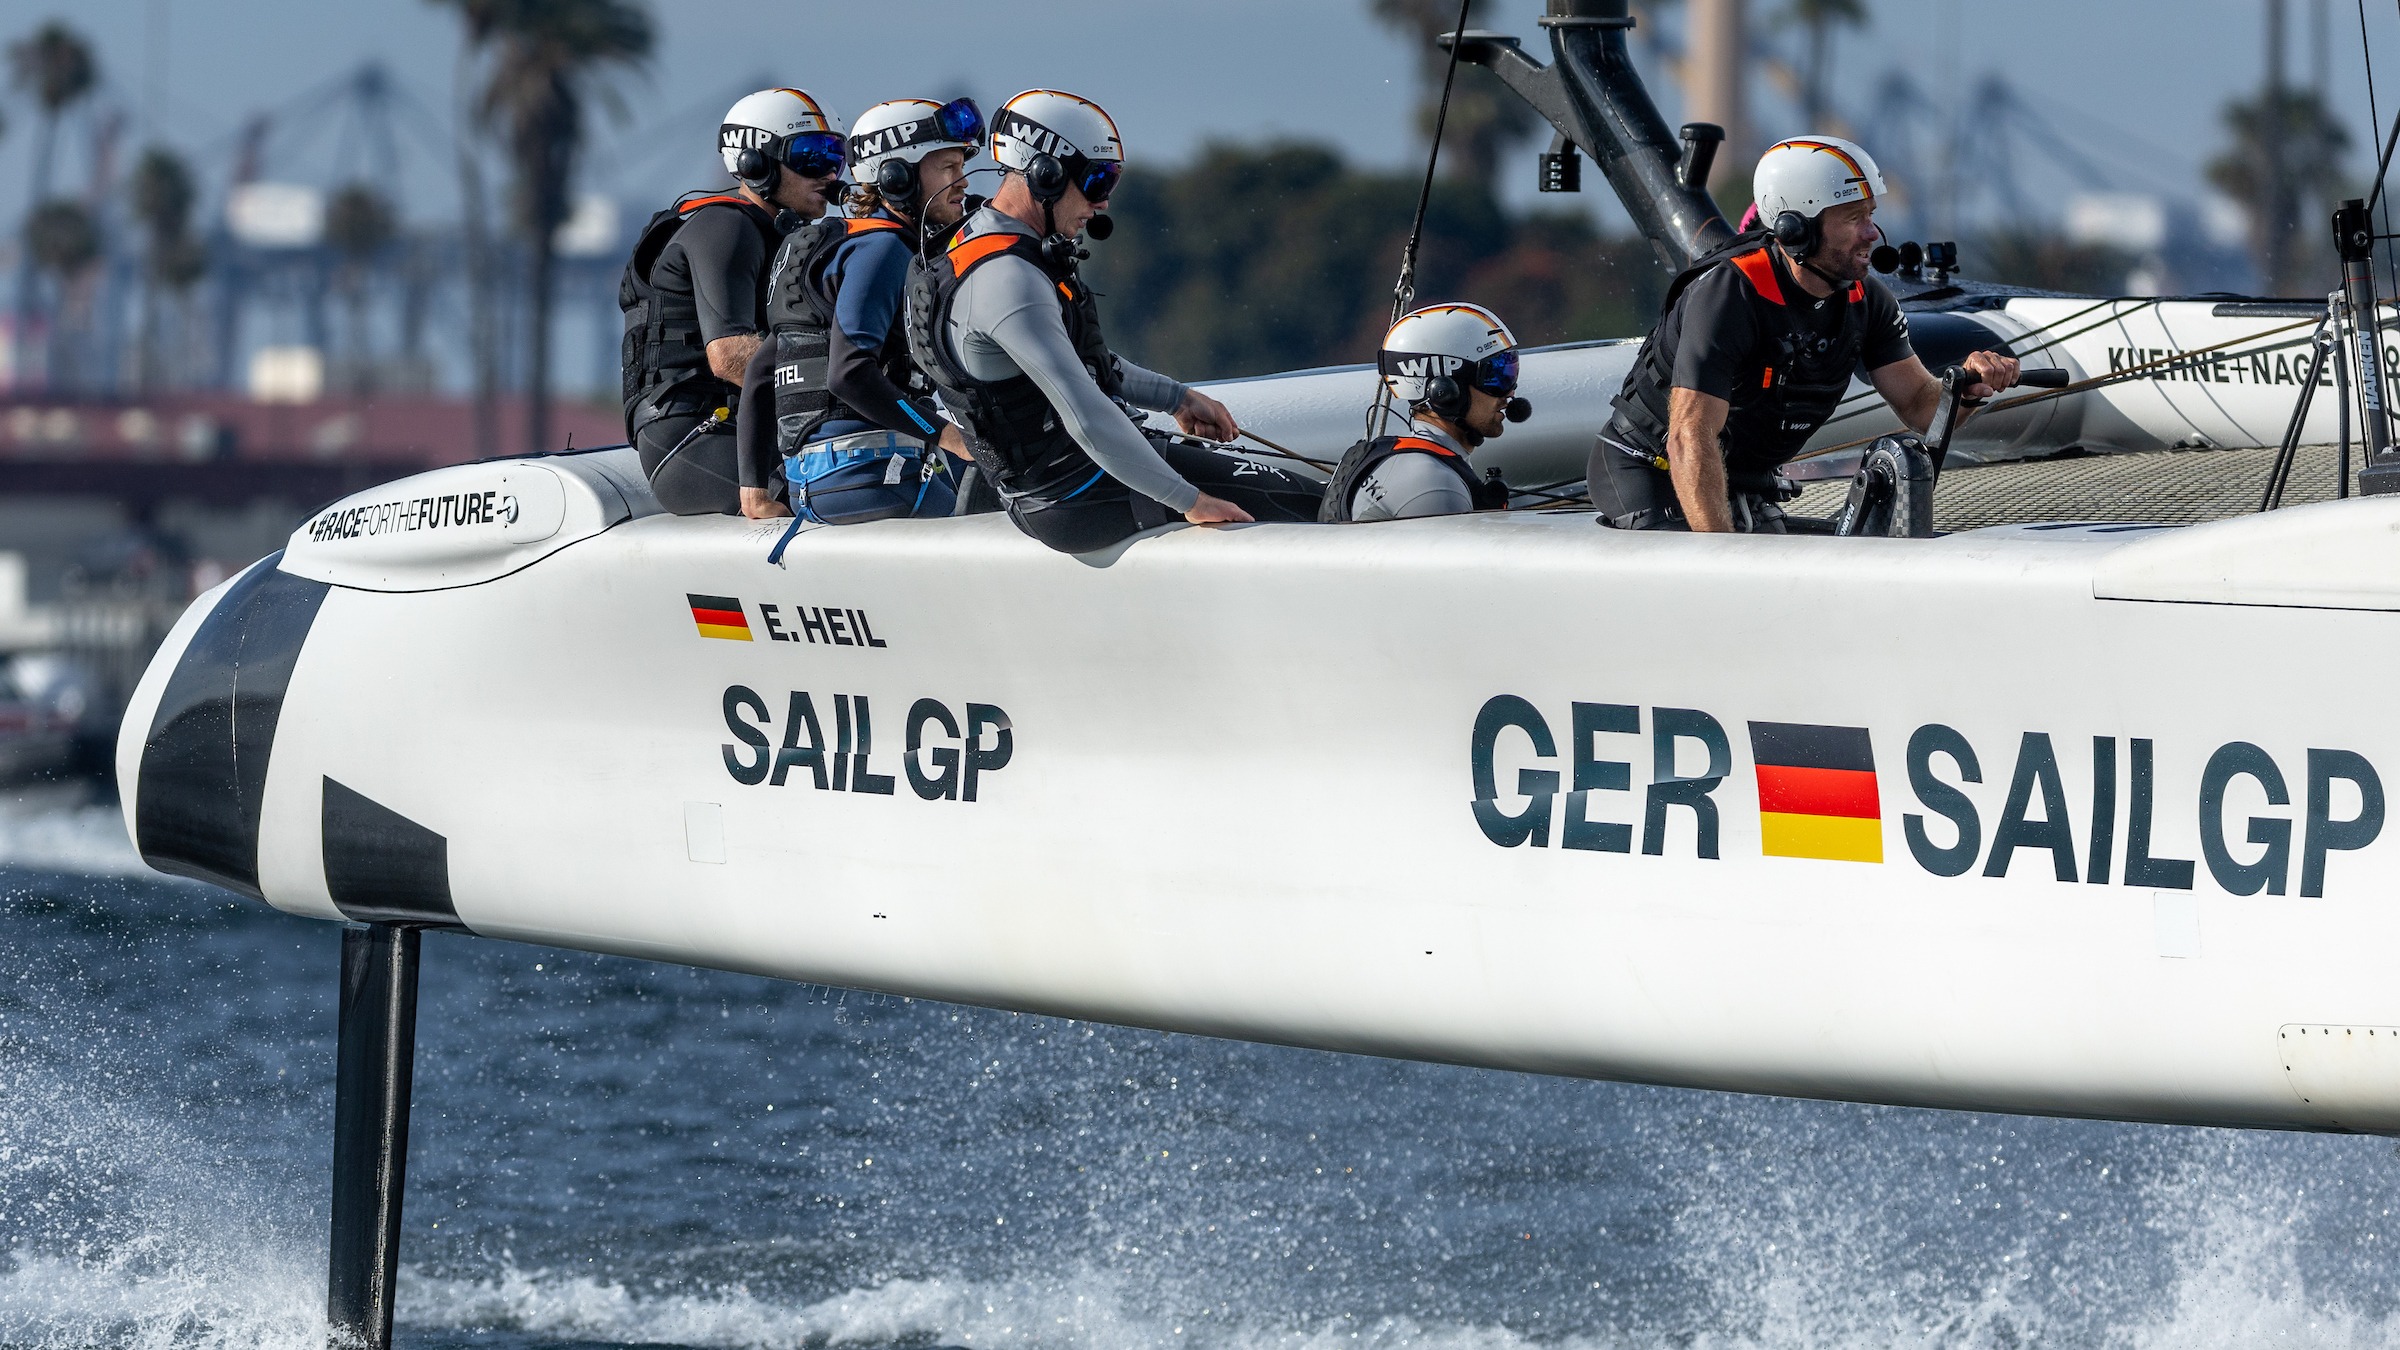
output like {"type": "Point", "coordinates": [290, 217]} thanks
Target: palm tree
{"type": "Point", "coordinates": [1485, 120]}
{"type": "Point", "coordinates": [1819, 18]}
{"type": "Point", "coordinates": [2307, 143]}
{"type": "Point", "coordinates": [546, 60]}
{"type": "Point", "coordinates": [55, 65]}
{"type": "Point", "coordinates": [359, 223]}
{"type": "Point", "coordinates": [162, 193]}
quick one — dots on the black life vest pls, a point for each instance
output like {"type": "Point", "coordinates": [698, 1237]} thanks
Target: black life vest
{"type": "Point", "coordinates": [800, 318]}
{"type": "Point", "coordinates": [1362, 458]}
{"type": "Point", "coordinates": [662, 346]}
{"type": "Point", "coordinates": [1790, 385]}
{"type": "Point", "coordinates": [1016, 435]}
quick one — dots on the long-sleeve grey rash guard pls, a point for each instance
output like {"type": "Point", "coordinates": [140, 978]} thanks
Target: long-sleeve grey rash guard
{"type": "Point", "coordinates": [1414, 484]}
{"type": "Point", "coordinates": [1005, 322]}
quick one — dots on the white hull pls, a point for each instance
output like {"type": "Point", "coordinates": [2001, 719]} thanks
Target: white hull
{"type": "Point", "coordinates": [1239, 795]}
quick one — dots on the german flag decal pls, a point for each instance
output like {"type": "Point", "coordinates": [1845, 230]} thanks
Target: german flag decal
{"type": "Point", "coordinates": [720, 616]}
{"type": "Point", "coordinates": [1816, 792]}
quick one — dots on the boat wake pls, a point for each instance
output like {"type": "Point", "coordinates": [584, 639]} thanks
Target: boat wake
{"type": "Point", "coordinates": [130, 1233]}
{"type": "Point", "coordinates": [62, 831]}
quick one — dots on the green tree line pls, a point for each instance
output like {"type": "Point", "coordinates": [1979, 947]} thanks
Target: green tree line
{"type": "Point", "coordinates": [1258, 258]}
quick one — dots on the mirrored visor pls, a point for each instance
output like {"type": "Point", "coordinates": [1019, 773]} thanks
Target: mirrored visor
{"type": "Point", "coordinates": [960, 120]}
{"type": "Point", "coordinates": [814, 154]}
{"type": "Point", "coordinates": [1497, 373]}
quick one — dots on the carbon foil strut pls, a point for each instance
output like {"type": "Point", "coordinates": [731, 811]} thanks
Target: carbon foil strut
{"type": "Point", "coordinates": [372, 1080]}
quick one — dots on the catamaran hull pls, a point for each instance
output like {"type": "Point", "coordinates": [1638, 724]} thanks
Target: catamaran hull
{"type": "Point", "coordinates": [2081, 821]}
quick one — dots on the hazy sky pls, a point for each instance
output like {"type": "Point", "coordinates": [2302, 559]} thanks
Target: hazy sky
{"type": "Point", "coordinates": [2135, 85]}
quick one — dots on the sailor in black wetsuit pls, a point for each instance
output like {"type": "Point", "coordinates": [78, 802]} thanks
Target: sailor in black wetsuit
{"type": "Point", "coordinates": [1756, 349]}
{"type": "Point", "coordinates": [695, 290]}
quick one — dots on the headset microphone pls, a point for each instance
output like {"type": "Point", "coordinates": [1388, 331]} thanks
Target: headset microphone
{"type": "Point", "coordinates": [1100, 227]}
{"type": "Point", "coordinates": [1517, 410]}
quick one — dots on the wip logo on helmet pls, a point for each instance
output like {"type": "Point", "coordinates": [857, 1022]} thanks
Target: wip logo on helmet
{"type": "Point", "coordinates": [732, 137]}
{"type": "Point", "coordinates": [1419, 367]}
{"type": "Point", "coordinates": [1018, 126]}
{"type": "Point", "coordinates": [890, 138]}
{"type": "Point", "coordinates": [719, 616]}
{"type": "Point", "coordinates": [1816, 792]}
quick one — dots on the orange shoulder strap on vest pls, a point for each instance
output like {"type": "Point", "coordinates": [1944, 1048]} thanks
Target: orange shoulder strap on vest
{"type": "Point", "coordinates": [1759, 266]}
{"type": "Point", "coordinates": [1420, 443]}
{"type": "Point", "coordinates": [727, 199]}
{"type": "Point", "coordinates": [1858, 292]}
{"type": "Point", "coordinates": [863, 224]}
{"type": "Point", "coordinates": [968, 252]}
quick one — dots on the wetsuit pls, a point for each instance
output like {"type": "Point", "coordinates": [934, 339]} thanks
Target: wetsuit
{"type": "Point", "coordinates": [847, 291]}
{"type": "Point", "coordinates": [1005, 321]}
{"type": "Point", "coordinates": [1739, 327]}
{"type": "Point", "coordinates": [718, 260]}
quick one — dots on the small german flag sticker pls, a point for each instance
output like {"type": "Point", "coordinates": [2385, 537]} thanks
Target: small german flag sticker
{"type": "Point", "coordinates": [1816, 792]}
{"type": "Point", "coordinates": [719, 616]}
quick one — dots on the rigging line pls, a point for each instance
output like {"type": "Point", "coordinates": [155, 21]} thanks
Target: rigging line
{"type": "Point", "coordinates": [1247, 434]}
{"type": "Point", "coordinates": [2010, 348]}
{"type": "Point", "coordinates": [2366, 49]}
{"type": "Point", "coordinates": [1405, 290]}
{"type": "Point", "coordinates": [1865, 399]}
{"type": "Point", "coordinates": [2098, 381]}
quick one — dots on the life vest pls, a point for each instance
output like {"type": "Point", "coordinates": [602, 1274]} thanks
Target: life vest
{"type": "Point", "coordinates": [1363, 457]}
{"type": "Point", "coordinates": [800, 320]}
{"type": "Point", "coordinates": [662, 346]}
{"type": "Point", "coordinates": [1791, 382]}
{"type": "Point", "coordinates": [1016, 435]}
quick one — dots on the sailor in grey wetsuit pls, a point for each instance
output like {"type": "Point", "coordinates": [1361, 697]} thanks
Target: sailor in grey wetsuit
{"type": "Point", "coordinates": [1455, 366]}
{"type": "Point", "coordinates": [1001, 321]}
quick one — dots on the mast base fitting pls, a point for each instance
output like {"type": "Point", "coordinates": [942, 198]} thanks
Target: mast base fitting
{"type": "Point", "coordinates": [2380, 480]}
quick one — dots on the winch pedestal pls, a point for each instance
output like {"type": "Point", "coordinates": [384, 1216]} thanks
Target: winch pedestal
{"type": "Point", "coordinates": [372, 1080]}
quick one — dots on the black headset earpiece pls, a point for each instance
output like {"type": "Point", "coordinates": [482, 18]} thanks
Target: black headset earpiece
{"type": "Point", "coordinates": [756, 171]}
{"type": "Point", "coordinates": [1796, 232]}
{"type": "Point", "coordinates": [1046, 178]}
{"type": "Point", "coordinates": [1446, 396]}
{"type": "Point", "coordinates": [896, 183]}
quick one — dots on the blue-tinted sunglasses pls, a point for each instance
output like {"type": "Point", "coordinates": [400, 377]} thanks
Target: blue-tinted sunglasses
{"type": "Point", "coordinates": [814, 154]}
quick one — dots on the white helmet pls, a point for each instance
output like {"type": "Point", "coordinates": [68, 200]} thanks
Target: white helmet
{"type": "Point", "coordinates": [1464, 346]}
{"type": "Point", "coordinates": [778, 128]}
{"type": "Point", "coordinates": [1807, 174]}
{"type": "Point", "coordinates": [909, 129]}
{"type": "Point", "coordinates": [1070, 131]}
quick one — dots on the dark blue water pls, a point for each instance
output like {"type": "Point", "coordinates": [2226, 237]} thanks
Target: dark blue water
{"type": "Point", "coordinates": [614, 1153]}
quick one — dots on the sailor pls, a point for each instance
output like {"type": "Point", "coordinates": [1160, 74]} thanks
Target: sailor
{"type": "Point", "coordinates": [832, 395]}
{"type": "Point", "coordinates": [1455, 368]}
{"type": "Point", "coordinates": [694, 295]}
{"type": "Point", "coordinates": [1755, 350]}
{"type": "Point", "coordinates": [1003, 324]}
